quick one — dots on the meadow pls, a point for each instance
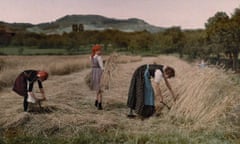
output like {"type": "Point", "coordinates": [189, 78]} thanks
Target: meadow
{"type": "Point", "coordinates": [207, 109]}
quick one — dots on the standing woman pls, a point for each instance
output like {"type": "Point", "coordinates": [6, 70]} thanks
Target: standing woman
{"type": "Point", "coordinates": [24, 84]}
{"type": "Point", "coordinates": [96, 74]}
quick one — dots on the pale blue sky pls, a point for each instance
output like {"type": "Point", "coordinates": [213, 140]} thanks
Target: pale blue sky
{"type": "Point", "coordinates": [165, 13]}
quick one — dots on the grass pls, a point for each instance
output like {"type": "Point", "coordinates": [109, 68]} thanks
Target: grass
{"type": "Point", "coordinates": [64, 67]}
{"type": "Point", "coordinates": [118, 136]}
{"type": "Point", "coordinates": [193, 119]}
{"type": "Point", "coordinates": [11, 66]}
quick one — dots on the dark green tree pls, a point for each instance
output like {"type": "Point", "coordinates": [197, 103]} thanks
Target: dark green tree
{"type": "Point", "coordinates": [223, 34]}
{"type": "Point", "coordinates": [174, 40]}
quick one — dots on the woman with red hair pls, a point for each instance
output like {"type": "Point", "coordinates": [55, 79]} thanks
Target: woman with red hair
{"type": "Point", "coordinates": [24, 84]}
{"type": "Point", "coordinates": [96, 74]}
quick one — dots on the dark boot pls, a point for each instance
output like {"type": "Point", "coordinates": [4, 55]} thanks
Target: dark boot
{"type": "Point", "coordinates": [100, 106]}
{"type": "Point", "coordinates": [96, 103]}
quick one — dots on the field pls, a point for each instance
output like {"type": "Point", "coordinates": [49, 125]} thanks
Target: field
{"type": "Point", "coordinates": [31, 51]}
{"type": "Point", "coordinates": [207, 109]}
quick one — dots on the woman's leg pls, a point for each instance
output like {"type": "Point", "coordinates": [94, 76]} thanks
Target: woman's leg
{"type": "Point", "coordinates": [96, 100]}
{"type": "Point", "coordinates": [99, 98]}
{"type": "Point", "coordinates": [25, 103]}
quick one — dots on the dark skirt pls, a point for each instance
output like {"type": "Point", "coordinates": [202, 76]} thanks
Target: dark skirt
{"type": "Point", "coordinates": [136, 94]}
{"type": "Point", "coordinates": [20, 85]}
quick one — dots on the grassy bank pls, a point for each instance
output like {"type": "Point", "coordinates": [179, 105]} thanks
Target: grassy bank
{"type": "Point", "coordinates": [118, 136]}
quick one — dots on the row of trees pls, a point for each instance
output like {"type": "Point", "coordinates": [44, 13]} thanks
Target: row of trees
{"type": "Point", "coordinates": [170, 41]}
{"type": "Point", "coordinates": [134, 41]}
{"type": "Point", "coordinates": [221, 35]}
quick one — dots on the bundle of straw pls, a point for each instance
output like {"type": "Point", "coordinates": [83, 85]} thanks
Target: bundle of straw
{"type": "Point", "coordinates": [110, 67]}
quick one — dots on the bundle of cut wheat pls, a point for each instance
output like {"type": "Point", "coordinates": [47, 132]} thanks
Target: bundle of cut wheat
{"type": "Point", "coordinates": [110, 67]}
{"type": "Point", "coordinates": [206, 97]}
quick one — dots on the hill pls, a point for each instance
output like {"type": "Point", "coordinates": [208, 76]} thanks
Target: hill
{"type": "Point", "coordinates": [94, 22]}
{"type": "Point", "coordinates": [89, 22]}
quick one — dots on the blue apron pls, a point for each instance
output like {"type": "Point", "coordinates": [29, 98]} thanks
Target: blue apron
{"type": "Point", "coordinates": [148, 89]}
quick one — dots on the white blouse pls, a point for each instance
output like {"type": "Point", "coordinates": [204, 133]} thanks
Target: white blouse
{"type": "Point", "coordinates": [158, 75]}
{"type": "Point", "coordinates": [100, 61]}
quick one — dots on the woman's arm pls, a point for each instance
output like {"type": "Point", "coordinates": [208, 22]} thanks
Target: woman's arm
{"type": "Point", "coordinates": [43, 94]}
{"type": "Point", "coordinates": [41, 90]}
{"type": "Point", "coordinates": [169, 87]}
{"type": "Point", "coordinates": [100, 62]}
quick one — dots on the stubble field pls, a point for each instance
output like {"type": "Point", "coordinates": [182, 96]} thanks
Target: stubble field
{"type": "Point", "coordinates": [207, 109]}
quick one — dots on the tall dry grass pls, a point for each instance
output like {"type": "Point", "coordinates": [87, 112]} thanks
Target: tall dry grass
{"type": "Point", "coordinates": [128, 59]}
{"type": "Point", "coordinates": [205, 96]}
{"type": "Point", "coordinates": [63, 67]}
{"type": "Point", "coordinates": [12, 66]}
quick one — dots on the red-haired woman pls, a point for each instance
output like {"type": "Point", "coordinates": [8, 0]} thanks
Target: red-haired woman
{"type": "Point", "coordinates": [24, 86]}
{"type": "Point", "coordinates": [97, 70]}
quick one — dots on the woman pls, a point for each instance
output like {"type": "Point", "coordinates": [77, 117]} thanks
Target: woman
{"type": "Point", "coordinates": [141, 93]}
{"type": "Point", "coordinates": [96, 74]}
{"type": "Point", "coordinates": [167, 73]}
{"type": "Point", "coordinates": [24, 84]}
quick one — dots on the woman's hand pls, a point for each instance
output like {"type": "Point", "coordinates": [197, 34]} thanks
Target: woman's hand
{"type": "Point", "coordinates": [43, 95]}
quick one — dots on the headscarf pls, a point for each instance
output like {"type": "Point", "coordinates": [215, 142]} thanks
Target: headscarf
{"type": "Point", "coordinates": [42, 74]}
{"type": "Point", "coordinates": [94, 49]}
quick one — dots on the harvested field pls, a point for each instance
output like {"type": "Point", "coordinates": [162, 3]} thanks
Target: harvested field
{"type": "Point", "coordinates": [208, 102]}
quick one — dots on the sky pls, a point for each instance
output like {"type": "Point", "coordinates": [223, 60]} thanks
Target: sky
{"type": "Point", "coordinates": [188, 14]}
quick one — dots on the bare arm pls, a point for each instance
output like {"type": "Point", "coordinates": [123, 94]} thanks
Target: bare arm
{"type": "Point", "coordinates": [157, 91]}
{"type": "Point", "coordinates": [41, 91]}
{"type": "Point", "coordinates": [43, 94]}
{"type": "Point", "coordinates": [169, 87]}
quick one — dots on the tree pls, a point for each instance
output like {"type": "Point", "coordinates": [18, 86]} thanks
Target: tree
{"type": "Point", "coordinates": [224, 32]}
{"type": "Point", "coordinates": [174, 40]}
{"type": "Point", "coordinates": [195, 44]}
{"type": "Point", "coordinates": [235, 35]}
{"type": "Point", "coordinates": [215, 28]}
{"type": "Point", "coordinates": [218, 32]}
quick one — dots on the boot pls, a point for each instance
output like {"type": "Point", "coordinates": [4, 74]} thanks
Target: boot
{"type": "Point", "coordinates": [100, 106]}
{"type": "Point", "coordinates": [96, 103]}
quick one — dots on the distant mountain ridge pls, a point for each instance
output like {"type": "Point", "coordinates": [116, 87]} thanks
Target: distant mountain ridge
{"type": "Point", "coordinates": [93, 22]}
{"type": "Point", "coordinates": [89, 22]}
